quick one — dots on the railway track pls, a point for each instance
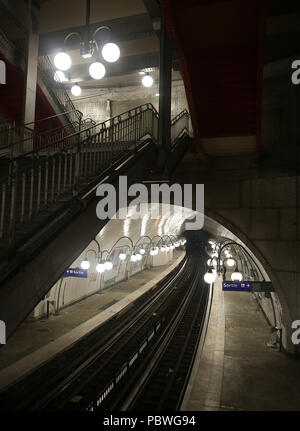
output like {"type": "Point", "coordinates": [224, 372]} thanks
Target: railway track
{"type": "Point", "coordinates": [141, 362]}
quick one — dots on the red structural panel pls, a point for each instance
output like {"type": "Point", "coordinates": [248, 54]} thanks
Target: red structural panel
{"type": "Point", "coordinates": [220, 48]}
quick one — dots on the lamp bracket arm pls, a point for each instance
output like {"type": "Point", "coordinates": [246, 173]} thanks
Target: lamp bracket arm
{"type": "Point", "coordinates": [73, 33]}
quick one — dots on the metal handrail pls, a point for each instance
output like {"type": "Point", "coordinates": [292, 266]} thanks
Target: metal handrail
{"type": "Point", "coordinates": [40, 178]}
{"type": "Point", "coordinates": [71, 140]}
{"type": "Point", "coordinates": [80, 114]}
{"type": "Point", "coordinates": [180, 115]}
{"type": "Point", "coordinates": [47, 72]}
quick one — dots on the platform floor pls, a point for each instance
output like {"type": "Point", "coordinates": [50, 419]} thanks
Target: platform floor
{"type": "Point", "coordinates": [237, 370]}
{"type": "Point", "coordinates": [33, 334]}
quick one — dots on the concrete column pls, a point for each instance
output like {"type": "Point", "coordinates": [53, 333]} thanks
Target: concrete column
{"type": "Point", "coordinates": [31, 64]}
{"type": "Point", "coordinates": [165, 86]}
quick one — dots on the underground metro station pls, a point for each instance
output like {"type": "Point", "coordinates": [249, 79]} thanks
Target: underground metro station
{"type": "Point", "coordinates": [149, 206]}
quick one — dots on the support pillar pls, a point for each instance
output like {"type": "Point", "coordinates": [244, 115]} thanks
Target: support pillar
{"type": "Point", "coordinates": [30, 81]}
{"type": "Point", "coordinates": [165, 87]}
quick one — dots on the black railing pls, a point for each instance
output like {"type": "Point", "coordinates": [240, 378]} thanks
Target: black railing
{"type": "Point", "coordinates": [36, 179]}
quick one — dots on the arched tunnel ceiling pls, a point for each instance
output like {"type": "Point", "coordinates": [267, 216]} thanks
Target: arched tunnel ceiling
{"type": "Point", "coordinates": [170, 221]}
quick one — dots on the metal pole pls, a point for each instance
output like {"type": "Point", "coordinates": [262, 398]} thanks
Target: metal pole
{"type": "Point", "coordinates": [165, 86]}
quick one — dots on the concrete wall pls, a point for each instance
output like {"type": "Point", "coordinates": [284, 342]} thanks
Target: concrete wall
{"type": "Point", "coordinates": [93, 103]}
{"type": "Point", "coordinates": [69, 290]}
{"type": "Point", "coordinates": [114, 238]}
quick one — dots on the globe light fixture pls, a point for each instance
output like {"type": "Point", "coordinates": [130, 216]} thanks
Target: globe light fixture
{"type": "Point", "coordinates": [97, 70]}
{"type": "Point", "coordinates": [167, 248]}
{"type": "Point", "coordinates": [162, 248]}
{"type": "Point", "coordinates": [111, 52]}
{"type": "Point", "coordinates": [133, 258]}
{"type": "Point", "coordinates": [122, 256]}
{"type": "Point", "coordinates": [76, 90]}
{"type": "Point", "coordinates": [230, 262]}
{"type": "Point", "coordinates": [142, 251]}
{"type": "Point", "coordinates": [209, 277]}
{"type": "Point", "coordinates": [62, 61]}
{"type": "Point", "coordinates": [100, 267]}
{"type": "Point", "coordinates": [138, 256]}
{"type": "Point", "coordinates": [147, 80]}
{"type": "Point", "coordinates": [236, 276]}
{"type": "Point", "coordinates": [108, 265]}
{"type": "Point", "coordinates": [59, 76]}
{"type": "Point", "coordinates": [172, 246]}
{"type": "Point", "coordinates": [85, 264]}
{"type": "Point", "coordinates": [153, 251]}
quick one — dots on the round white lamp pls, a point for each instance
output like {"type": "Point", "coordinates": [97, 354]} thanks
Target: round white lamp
{"type": "Point", "coordinates": [100, 267]}
{"type": "Point", "coordinates": [147, 81]}
{"type": "Point", "coordinates": [97, 70]}
{"type": "Point", "coordinates": [62, 61]}
{"type": "Point", "coordinates": [76, 90]}
{"type": "Point", "coordinates": [85, 264]}
{"type": "Point", "coordinates": [111, 52]}
{"type": "Point", "coordinates": [108, 265]}
{"type": "Point", "coordinates": [59, 76]}
{"type": "Point", "coordinates": [230, 262]}
{"type": "Point", "coordinates": [236, 276]}
{"type": "Point", "coordinates": [209, 277]}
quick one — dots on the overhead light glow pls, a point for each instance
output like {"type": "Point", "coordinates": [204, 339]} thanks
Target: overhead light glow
{"type": "Point", "coordinates": [97, 70]}
{"type": "Point", "coordinates": [59, 76]}
{"type": "Point", "coordinates": [100, 267]}
{"type": "Point", "coordinates": [85, 264]}
{"type": "Point", "coordinates": [209, 277]}
{"type": "Point", "coordinates": [111, 52]}
{"type": "Point", "coordinates": [133, 258]}
{"type": "Point", "coordinates": [147, 81]}
{"type": "Point", "coordinates": [122, 256]}
{"type": "Point", "coordinates": [76, 90]}
{"type": "Point", "coordinates": [230, 262]}
{"type": "Point", "coordinates": [108, 265]}
{"type": "Point", "coordinates": [236, 276]}
{"type": "Point", "coordinates": [62, 61]}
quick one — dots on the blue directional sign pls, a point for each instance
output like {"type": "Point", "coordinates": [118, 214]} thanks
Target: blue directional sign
{"type": "Point", "coordinates": [237, 286]}
{"type": "Point", "coordinates": [76, 272]}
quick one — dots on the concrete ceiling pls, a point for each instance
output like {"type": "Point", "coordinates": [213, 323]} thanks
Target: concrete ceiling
{"type": "Point", "coordinates": [134, 29]}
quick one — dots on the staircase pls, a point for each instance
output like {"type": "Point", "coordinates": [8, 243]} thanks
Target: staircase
{"type": "Point", "coordinates": [48, 199]}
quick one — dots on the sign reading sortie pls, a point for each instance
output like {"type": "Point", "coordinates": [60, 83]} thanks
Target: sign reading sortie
{"type": "Point", "coordinates": [74, 272]}
{"type": "Point", "coordinates": [248, 286]}
{"type": "Point", "coordinates": [237, 286]}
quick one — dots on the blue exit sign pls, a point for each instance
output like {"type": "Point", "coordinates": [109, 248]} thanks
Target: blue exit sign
{"type": "Point", "coordinates": [74, 272]}
{"type": "Point", "coordinates": [237, 286]}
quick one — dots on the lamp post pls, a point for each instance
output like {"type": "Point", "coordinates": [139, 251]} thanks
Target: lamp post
{"type": "Point", "coordinates": [228, 261]}
{"type": "Point", "coordinates": [123, 258]}
{"type": "Point", "coordinates": [142, 251]}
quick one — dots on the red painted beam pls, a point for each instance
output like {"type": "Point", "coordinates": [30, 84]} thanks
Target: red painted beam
{"type": "Point", "coordinates": [220, 49]}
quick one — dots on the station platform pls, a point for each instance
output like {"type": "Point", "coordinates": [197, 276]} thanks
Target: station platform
{"type": "Point", "coordinates": [37, 341]}
{"type": "Point", "coordinates": [235, 369]}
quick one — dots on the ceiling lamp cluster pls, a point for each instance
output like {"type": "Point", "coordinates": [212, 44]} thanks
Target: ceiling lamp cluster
{"type": "Point", "coordinates": [135, 255]}
{"type": "Point", "coordinates": [88, 46]}
{"type": "Point", "coordinates": [215, 262]}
